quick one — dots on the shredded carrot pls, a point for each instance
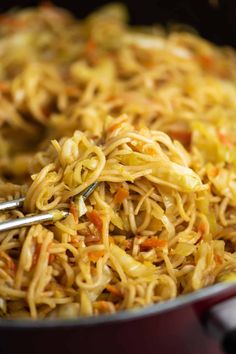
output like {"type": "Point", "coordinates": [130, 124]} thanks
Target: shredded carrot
{"type": "Point", "coordinates": [111, 240]}
{"type": "Point", "coordinates": [211, 64]}
{"type": "Point", "coordinates": [206, 61]}
{"type": "Point", "coordinates": [113, 127]}
{"type": "Point", "coordinates": [121, 194]}
{"type": "Point", "coordinates": [224, 139]}
{"type": "Point", "coordinates": [201, 228]}
{"type": "Point", "coordinates": [95, 255]}
{"type": "Point", "coordinates": [91, 51]}
{"type": "Point", "coordinates": [4, 87]}
{"type": "Point", "coordinates": [51, 258]}
{"type": "Point", "coordinates": [96, 219]}
{"type": "Point", "coordinates": [74, 212]}
{"type": "Point", "coordinates": [139, 146]}
{"type": "Point", "coordinates": [218, 259]}
{"type": "Point", "coordinates": [72, 91]}
{"type": "Point", "coordinates": [112, 97]}
{"type": "Point", "coordinates": [36, 254]}
{"type": "Point", "coordinates": [113, 290]}
{"type": "Point", "coordinates": [102, 306]}
{"type": "Point", "coordinates": [152, 242]}
{"type": "Point", "coordinates": [181, 135]}
{"type": "Point", "coordinates": [92, 239]}
{"type": "Point", "coordinates": [11, 21]}
{"type": "Point", "coordinates": [11, 265]}
{"type": "Point", "coordinates": [213, 172]}
{"type": "Point", "coordinates": [150, 150]}
{"type": "Point", "coordinates": [4, 255]}
{"type": "Point", "coordinates": [74, 240]}
{"type": "Point", "coordinates": [128, 244]}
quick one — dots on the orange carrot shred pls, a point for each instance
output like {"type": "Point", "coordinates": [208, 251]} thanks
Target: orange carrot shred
{"type": "Point", "coordinates": [90, 50]}
{"type": "Point", "coordinates": [128, 244]}
{"type": "Point", "coordinates": [111, 240]}
{"type": "Point", "coordinates": [51, 258]}
{"type": "Point", "coordinates": [113, 127]}
{"type": "Point", "coordinates": [36, 254]}
{"type": "Point", "coordinates": [102, 306]}
{"type": "Point", "coordinates": [95, 255]}
{"type": "Point", "coordinates": [213, 172]}
{"type": "Point", "coordinates": [181, 135]}
{"type": "Point", "coordinates": [74, 212]}
{"type": "Point", "coordinates": [4, 87]}
{"type": "Point", "coordinates": [206, 61]}
{"type": "Point", "coordinates": [218, 259]}
{"type": "Point", "coordinates": [211, 64]}
{"type": "Point", "coordinates": [10, 264]}
{"type": "Point", "coordinates": [96, 219]}
{"type": "Point", "coordinates": [201, 228]}
{"type": "Point", "coordinates": [72, 91]}
{"type": "Point", "coordinates": [12, 21]}
{"type": "Point", "coordinates": [74, 240]}
{"type": "Point", "coordinates": [113, 290]}
{"type": "Point", "coordinates": [151, 151]}
{"type": "Point", "coordinates": [121, 194]}
{"type": "Point", "coordinates": [151, 243]}
{"type": "Point", "coordinates": [224, 139]}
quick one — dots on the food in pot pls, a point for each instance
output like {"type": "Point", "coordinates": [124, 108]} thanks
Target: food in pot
{"type": "Point", "coordinates": [148, 113]}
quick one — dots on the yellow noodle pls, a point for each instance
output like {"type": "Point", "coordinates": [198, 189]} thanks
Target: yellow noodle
{"type": "Point", "coordinates": [150, 116]}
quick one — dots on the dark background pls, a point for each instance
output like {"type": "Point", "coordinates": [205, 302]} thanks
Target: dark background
{"type": "Point", "coordinates": [214, 19]}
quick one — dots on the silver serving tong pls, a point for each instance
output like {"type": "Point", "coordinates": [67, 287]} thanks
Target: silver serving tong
{"type": "Point", "coordinates": [52, 215]}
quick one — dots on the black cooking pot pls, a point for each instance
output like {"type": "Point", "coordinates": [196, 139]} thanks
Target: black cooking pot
{"type": "Point", "coordinates": [200, 323]}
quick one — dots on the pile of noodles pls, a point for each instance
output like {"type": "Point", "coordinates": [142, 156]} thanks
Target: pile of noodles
{"type": "Point", "coordinates": [151, 116]}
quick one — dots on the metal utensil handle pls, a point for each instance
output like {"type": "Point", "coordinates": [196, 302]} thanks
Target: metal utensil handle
{"type": "Point", "coordinates": [89, 190]}
{"type": "Point", "coordinates": [30, 220]}
{"type": "Point", "coordinates": [53, 215]}
{"type": "Point", "coordinates": [12, 204]}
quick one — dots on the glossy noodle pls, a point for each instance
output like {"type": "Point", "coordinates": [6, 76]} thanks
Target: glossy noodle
{"type": "Point", "coordinates": [149, 114]}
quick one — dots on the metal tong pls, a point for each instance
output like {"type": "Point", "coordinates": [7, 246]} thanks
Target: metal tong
{"type": "Point", "coordinates": [52, 215]}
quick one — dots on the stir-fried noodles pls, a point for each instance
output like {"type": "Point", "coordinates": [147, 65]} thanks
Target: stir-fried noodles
{"type": "Point", "coordinates": [151, 116]}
